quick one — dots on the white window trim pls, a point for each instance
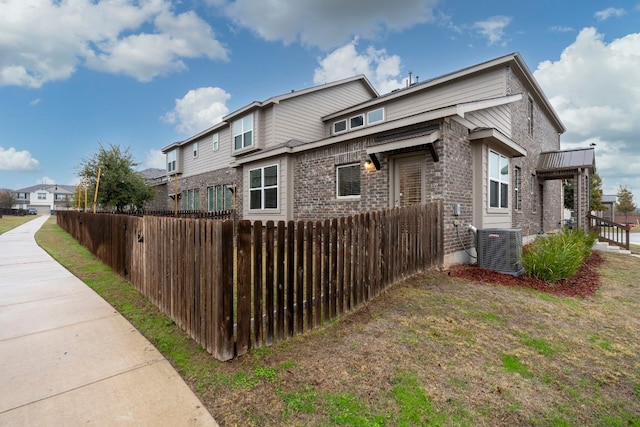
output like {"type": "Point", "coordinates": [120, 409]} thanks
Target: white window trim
{"type": "Point", "coordinates": [262, 188]}
{"type": "Point", "coordinates": [243, 132]}
{"type": "Point", "coordinates": [215, 141]}
{"type": "Point", "coordinates": [195, 149]}
{"type": "Point", "coordinates": [346, 126]}
{"type": "Point", "coordinates": [172, 164]}
{"type": "Point", "coordinates": [350, 197]}
{"type": "Point", "coordinates": [365, 121]}
{"type": "Point", "coordinates": [369, 122]}
{"type": "Point", "coordinates": [499, 181]}
{"type": "Point", "coordinates": [361, 116]}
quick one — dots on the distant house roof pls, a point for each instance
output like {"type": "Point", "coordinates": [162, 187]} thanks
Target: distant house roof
{"type": "Point", "coordinates": [51, 188]}
{"type": "Point", "coordinates": [566, 161]}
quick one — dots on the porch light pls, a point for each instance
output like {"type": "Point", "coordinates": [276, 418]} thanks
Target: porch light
{"type": "Point", "coordinates": [368, 165]}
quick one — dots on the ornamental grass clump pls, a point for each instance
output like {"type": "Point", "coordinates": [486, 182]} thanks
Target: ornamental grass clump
{"type": "Point", "coordinates": [556, 257]}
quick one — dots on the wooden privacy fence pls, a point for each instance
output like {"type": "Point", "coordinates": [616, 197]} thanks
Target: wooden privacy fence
{"type": "Point", "coordinates": [234, 287]}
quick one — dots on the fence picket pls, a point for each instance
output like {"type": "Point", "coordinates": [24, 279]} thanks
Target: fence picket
{"type": "Point", "coordinates": [270, 282]}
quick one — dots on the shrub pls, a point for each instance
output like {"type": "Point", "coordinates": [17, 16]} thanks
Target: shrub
{"type": "Point", "coordinates": [556, 257]}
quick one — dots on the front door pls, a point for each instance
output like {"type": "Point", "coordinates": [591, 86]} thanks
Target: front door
{"type": "Point", "coordinates": [408, 186]}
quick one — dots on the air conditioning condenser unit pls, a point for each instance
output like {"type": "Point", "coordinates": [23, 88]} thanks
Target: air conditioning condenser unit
{"type": "Point", "coordinates": [500, 249]}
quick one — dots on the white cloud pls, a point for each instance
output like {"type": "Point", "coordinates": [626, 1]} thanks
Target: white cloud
{"type": "Point", "coordinates": [198, 110]}
{"type": "Point", "coordinates": [327, 23]}
{"type": "Point", "coordinates": [13, 160]}
{"type": "Point", "coordinates": [608, 13]}
{"type": "Point", "coordinates": [154, 159]}
{"type": "Point", "coordinates": [382, 69]}
{"type": "Point", "coordinates": [493, 28]}
{"type": "Point", "coordinates": [42, 41]}
{"type": "Point", "coordinates": [595, 88]}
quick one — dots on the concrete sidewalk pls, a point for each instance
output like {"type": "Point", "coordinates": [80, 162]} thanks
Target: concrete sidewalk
{"type": "Point", "coordinates": [68, 358]}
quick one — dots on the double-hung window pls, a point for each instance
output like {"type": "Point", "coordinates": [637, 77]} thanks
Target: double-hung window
{"type": "Point", "coordinates": [263, 188]}
{"type": "Point", "coordinates": [517, 188]}
{"type": "Point", "coordinates": [348, 181]}
{"type": "Point", "coordinates": [215, 143]}
{"type": "Point", "coordinates": [42, 196]}
{"type": "Point", "coordinates": [243, 132]}
{"type": "Point", "coordinates": [498, 180]}
{"type": "Point", "coordinates": [171, 161]}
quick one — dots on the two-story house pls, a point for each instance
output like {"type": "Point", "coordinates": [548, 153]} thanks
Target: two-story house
{"type": "Point", "coordinates": [471, 138]}
{"type": "Point", "coordinates": [45, 197]}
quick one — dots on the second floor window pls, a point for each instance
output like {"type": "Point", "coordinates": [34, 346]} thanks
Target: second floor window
{"type": "Point", "coordinates": [263, 188]}
{"type": "Point", "coordinates": [171, 161]}
{"type": "Point", "coordinates": [42, 196]}
{"type": "Point", "coordinates": [195, 149]}
{"type": "Point", "coordinates": [243, 132]}
{"type": "Point", "coordinates": [215, 143]}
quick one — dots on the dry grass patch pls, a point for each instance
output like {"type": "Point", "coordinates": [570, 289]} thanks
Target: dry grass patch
{"type": "Point", "coordinates": [437, 350]}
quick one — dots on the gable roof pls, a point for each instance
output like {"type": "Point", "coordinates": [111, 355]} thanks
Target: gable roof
{"type": "Point", "coordinates": [514, 60]}
{"type": "Point", "coordinates": [51, 188]}
{"type": "Point", "coordinates": [274, 100]}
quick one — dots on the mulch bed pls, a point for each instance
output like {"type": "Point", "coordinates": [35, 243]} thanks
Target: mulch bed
{"type": "Point", "coordinates": [584, 283]}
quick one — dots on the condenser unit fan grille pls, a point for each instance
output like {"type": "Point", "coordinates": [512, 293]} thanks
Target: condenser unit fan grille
{"type": "Point", "coordinates": [500, 249]}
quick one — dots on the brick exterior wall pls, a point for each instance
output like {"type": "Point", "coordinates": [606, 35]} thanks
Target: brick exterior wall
{"type": "Point", "coordinates": [202, 181]}
{"type": "Point", "coordinates": [544, 138]}
{"type": "Point", "coordinates": [456, 184]}
{"type": "Point", "coordinates": [449, 180]}
{"type": "Point", "coordinates": [314, 183]}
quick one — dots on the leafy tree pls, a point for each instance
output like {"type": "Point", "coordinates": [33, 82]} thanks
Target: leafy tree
{"type": "Point", "coordinates": [625, 203]}
{"type": "Point", "coordinates": [121, 187]}
{"type": "Point", "coordinates": [595, 195]}
{"type": "Point", "coordinates": [7, 199]}
{"type": "Point", "coordinates": [568, 194]}
{"type": "Point", "coordinates": [596, 192]}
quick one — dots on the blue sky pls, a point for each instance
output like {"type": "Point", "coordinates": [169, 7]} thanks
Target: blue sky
{"type": "Point", "coordinates": [143, 74]}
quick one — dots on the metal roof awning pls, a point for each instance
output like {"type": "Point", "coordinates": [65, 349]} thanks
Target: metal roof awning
{"type": "Point", "coordinates": [565, 164]}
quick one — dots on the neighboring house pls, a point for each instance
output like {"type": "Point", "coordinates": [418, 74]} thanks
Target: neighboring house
{"type": "Point", "coordinates": [45, 197]}
{"type": "Point", "coordinates": [471, 138]}
{"type": "Point", "coordinates": [609, 202]}
{"type": "Point", "coordinates": [157, 179]}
